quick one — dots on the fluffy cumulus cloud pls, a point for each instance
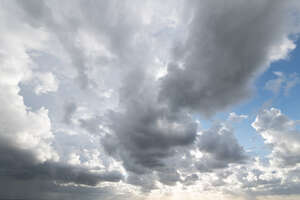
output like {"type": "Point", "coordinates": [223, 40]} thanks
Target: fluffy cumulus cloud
{"type": "Point", "coordinates": [281, 134]}
{"type": "Point", "coordinates": [277, 175]}
{"type": "Point", "coordinates": [117, 99]}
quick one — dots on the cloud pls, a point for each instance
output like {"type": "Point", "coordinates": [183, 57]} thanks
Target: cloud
{"type": "Point", "coordinates": [114, 29]}
{"type": "Point", "coordinates": [19, 126]}
{"type": "Point", "coordinates": [145, 135]}
{"type": "Point", "coordinates": [274, 175]}
{"type": "Point", "coordinates": [282, 82]}
{"type": "Point", "coordinates": [69, 109]}
{"type": "Point", "coordinates": [169, 177]}
{"type": "Point", "coordinates": [46, 83]}
{"type": "Point", "coordinates": [219, 146]}
{"type": "Point", "coordinates": [22, 165]}
{"type": "Point", "coordinates": [225, 49]}
{"type": "Point", "coordinates": [26, 137]}
{"type": "Point", "coordinates": [145, 181]}
{"type": "Point", "coordinates": [275, 85]}
{"type": "Point", "coordinates": [48, 190]}
{"type": "Point", "coordinates": [292, 81]}
{"type": "Point", "coordinates": [280, 133]}
{"type": "Point", "coordinates": [143, 73]}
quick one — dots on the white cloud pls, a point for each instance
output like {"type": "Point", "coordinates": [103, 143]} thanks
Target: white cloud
{"type": "Point", "coordinates": [280, 133]}
{"type": "Point", "coordinates": [74, 159]}
{"type": "Point", "coordinates": [20, 127]}
{"type": "Point", "coordinates": [46, 83]}
{"type": "Point", "coordinates": [281, 51]}
{"type": "Point", "coordinates": [275, 85]}
{"type": "Point", "coordinates": [282, 82]}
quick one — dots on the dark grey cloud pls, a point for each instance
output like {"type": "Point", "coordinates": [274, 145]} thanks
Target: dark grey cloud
{"type": "Point", "coordinates": [228, 44]}
{"type": "Point", "coordinates": [145, 135]}
{"type": "Point", "coordinates": [221, 142]}
{"type": "Point", "coordinates": [221, 148]}
{"type": "Point", "coordinates": [65, 174]}
{"type": "Point", "coordinates": [169, 176]}
{"type": "Point", "coordinates": [21, 170]}
{"type": "Point", "coordinates": [145, 132]}
{"type": "Point", "coordinates": [154, 141]}
{"type": "Point", "coordinates": [47, 190]}
{"type": "Point", "coordinates": [23, 165]}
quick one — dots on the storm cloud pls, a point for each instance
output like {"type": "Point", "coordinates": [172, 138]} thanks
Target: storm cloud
{"type": "Point", "coordinates": [228, 44]}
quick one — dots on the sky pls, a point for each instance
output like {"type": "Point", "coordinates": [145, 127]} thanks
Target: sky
{"type": "Point", "coordinates": [149, 100]}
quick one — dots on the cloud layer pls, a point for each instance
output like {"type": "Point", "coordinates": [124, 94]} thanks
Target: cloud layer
{"type": "Point", "coordinates": [105, 99]}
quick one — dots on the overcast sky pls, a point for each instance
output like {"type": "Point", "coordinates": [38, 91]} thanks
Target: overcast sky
{"type": "Point", "coordinates": [149, 100]}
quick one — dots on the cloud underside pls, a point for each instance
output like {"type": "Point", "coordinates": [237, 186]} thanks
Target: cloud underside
{"type": "Point", "coordinates": [99, 98]}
